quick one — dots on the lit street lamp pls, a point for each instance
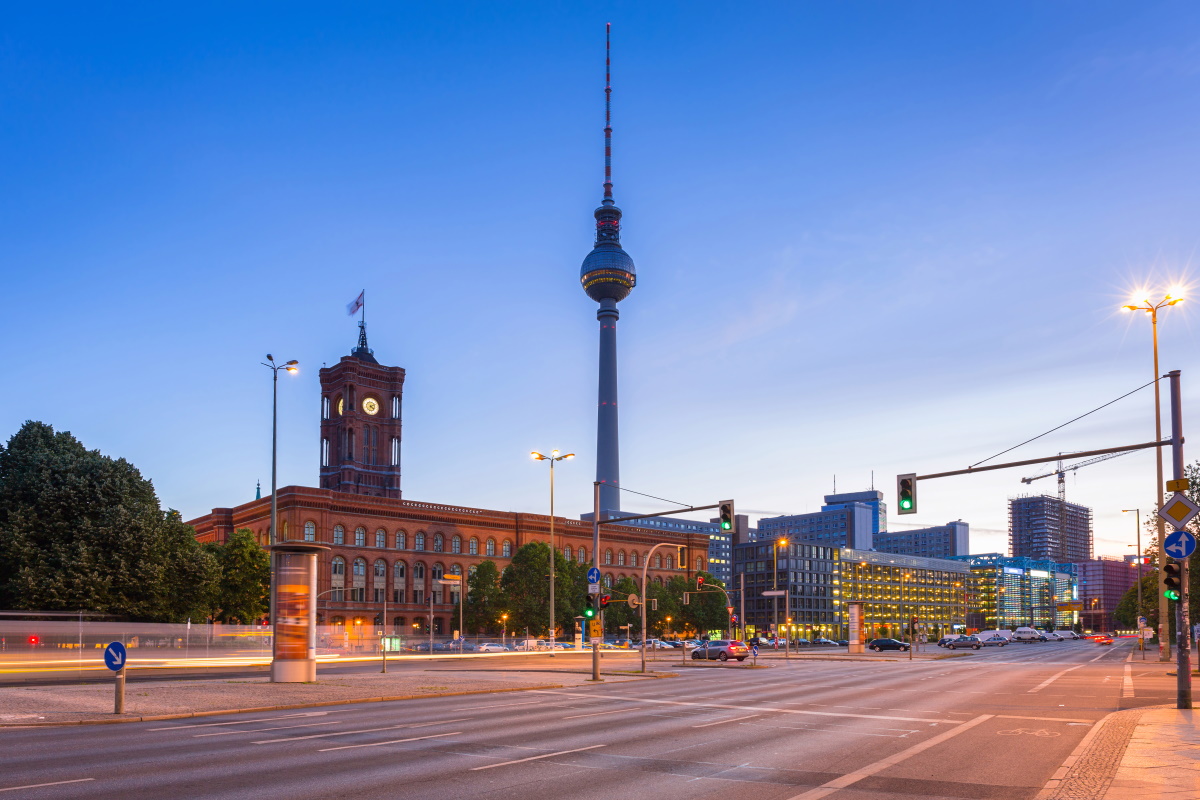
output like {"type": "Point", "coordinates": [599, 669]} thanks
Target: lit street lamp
{"type": "Point", "coordinates": [1142, 302]}
{"type": "Point", "coordinates": [292, 367]}
{"type": "Point", "coordinates": [554, 456]}
{"type": "Point", "coordinates": [775, 600]}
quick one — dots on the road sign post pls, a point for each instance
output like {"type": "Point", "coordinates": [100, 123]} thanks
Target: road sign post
{"type": "Point", "coordinates": [1181, 510]}
{"type": "Point", "coordinates": [114, 659]}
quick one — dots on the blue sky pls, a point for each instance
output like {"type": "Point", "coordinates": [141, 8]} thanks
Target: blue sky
{"type": "Point", "coordinates": [869, 236]}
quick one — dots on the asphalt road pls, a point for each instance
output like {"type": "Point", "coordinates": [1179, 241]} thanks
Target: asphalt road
{"type": "Point", "coordinates": [992, 724]}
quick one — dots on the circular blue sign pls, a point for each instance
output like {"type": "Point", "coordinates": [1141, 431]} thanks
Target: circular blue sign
{"type": "Point", "coordinates": [114, 656]}
{"type": "Point", "coordinates": [1180, 544]}
{"type": "Point", "coordinates": [593, 575]}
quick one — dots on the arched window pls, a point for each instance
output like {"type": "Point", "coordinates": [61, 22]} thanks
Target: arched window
{"type": "Point", "coordinates": [337, 574]}
{"type": "Point", "coordinates": [633, 558]}
{"type": "Point", "coordinates": [339, 534]}
{"type": "Point", "coordinates": [658, 579]}
{"type": "Point", "coordinates": [419, 541]}
{"type": "Point", "coordinates": [379, 585]}
{"type": "Point", "coordinates": [380, 568]}
{"type": "Point", "coordinates": [360, 537]}
{"type": "Point", "coordinates": [436, 572]}
{"type": "Point", "coordinates": [401, 540]}
{"type": "Point", "coordinates": [699, 563]}
{"type": "Point", "coordinates": [608, 556]}
{"type": "Point", "coordinates": [310, 531]}
{"type": "Point", "coordinates": [398, 570]}
{"type": "Point", "coordinates": [473, 546]}
{"type": "Point", "coordinates": [338, 620]}
{"type": "Point", "coordinates": [456, 544]}
{"type": "Point", "coordinates": [438, 542]}
{"type": "Point", "coordinates": [358, 586]}
{"type": "Point", "coordinates": [419, 571]}
{"type": "Point", "coordinates": [283, 530]}
{"type": "Point", "coordinates": [338, 567]}
{"type": "Point", "coordinates": [567, 552]}
{"type": "Point", "coordinates": [506, 549]}
{"type": "Point", "coordinates": [608, 581]}
{"type": "Point", "coordinates": [582, 554]}
{"type": "Point", "coordinates": [360, 567]}
{"type": "Point", "coordinates": [471, 569]}
{"type": "Point", "coordinates": [381, 538]}
{"type": "Point", "coordinates": [490, 548]}
{"type": "Point", "coordinates": [620, 558]}
{"type": "Point", "coordinates": [658, 560]}
{"type": "Point", "coordinates": [670, 562]}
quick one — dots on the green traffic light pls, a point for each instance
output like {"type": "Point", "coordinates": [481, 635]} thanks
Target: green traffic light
{"type": "Point", "coordinates": [589, 612]}
{"type": "Point", "coordinates": [1171, 594]}
{"type": "Point", "coordinates": [725, 526]}
{"type": "Point", "coordinates": [906, 504]}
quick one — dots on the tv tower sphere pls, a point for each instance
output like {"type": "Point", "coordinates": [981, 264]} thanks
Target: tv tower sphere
{"type": "Point", "coordinates": [607, 272]}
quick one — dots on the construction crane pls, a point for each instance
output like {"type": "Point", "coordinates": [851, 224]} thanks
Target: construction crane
{"type": "Point", "coordinates": [1062, 471]}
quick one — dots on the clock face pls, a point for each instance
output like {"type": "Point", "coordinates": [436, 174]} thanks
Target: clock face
{"type": "Point", "coordinates": [371, 406]}
{"type": "Point", "coordinates": [340, 406]}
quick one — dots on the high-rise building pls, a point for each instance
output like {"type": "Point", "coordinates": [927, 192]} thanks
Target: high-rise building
{"type": "Point", "coordinates": [360, 424]}
{"type": "Point", "coordinates": [608, 276]}
{"type": "Point", "coordinates": [1046, 528]}
{"type": "Point", "coordinates": [940, 541]}
{"type": "Point", "coordinates": [1103, 582]}
{"type": "Point", "coordinates": [871, 498]}
{"type": "Point", "coordinates": [1008, 592]}
{"type": "Point", "coordinates": [843, 525]}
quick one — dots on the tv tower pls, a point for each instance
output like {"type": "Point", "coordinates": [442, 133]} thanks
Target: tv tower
{"type": "Point", "coordinates": [608, 276]}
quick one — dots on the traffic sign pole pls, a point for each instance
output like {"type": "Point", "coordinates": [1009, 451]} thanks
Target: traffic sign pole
{"type": "Point", "coordinates": [119, 698]}
{"type": "Point", "coordinates": [114, 659]}
{"type": "Point", "coordinates": [1183, 625]}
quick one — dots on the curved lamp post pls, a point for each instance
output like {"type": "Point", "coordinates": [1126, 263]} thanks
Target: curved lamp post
{"type": "Point", "coordinates": [645, 566]}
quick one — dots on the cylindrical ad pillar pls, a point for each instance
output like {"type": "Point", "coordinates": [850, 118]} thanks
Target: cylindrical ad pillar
{"type": "Point", "coordinates": [295, 630]}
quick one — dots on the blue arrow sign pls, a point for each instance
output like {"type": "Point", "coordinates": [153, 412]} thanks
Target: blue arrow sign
{"type": "Point", "coordinates": [593, 575]}
{"type": "Point", "coordinates": [114, 656]}
{"type": "Point", "coordinates": [1180, 544]}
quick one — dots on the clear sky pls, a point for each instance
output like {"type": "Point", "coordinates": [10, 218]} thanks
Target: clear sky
{"type": "Point", "coordinates": [883, 237]}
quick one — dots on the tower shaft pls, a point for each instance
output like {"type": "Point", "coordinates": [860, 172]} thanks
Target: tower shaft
{"type": "Point", "coordinates": [608, 448]}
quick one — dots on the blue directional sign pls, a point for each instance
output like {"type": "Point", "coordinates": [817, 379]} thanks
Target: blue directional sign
{"type": "Point", "coordinates": [114, 656]}
{"type": "Point", "coordinates": [593, 575]}
{"type": "Point", "coordinates": [1180, 544]}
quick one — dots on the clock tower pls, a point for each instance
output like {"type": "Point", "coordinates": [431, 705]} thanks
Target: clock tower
{"type": "Point", "coordinates": [360, 424]}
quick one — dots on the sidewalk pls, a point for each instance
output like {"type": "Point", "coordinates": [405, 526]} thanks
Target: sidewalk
{"type": "Point", "coordinates": [1162, 758]}
{"type": "Point", "coordinates": [92, 703]}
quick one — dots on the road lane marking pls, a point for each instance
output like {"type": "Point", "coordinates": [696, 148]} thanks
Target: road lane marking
{"type": "Point", "coordinates": [500, 705]}
{"type": "Point", "coordinates": [393, 741]}
{"type": "Point", "coordinates": [757, 708]}
{"type": "Point", "coordinates": [597, 713]}
{"type": "Point", "coordinates": [1046, 719]}
{"type": "Point", "coordinates": [364, 730]}
{"type": "Point", "coordinates": [1127, 683]}
{"type": "Point", "coordinates": [724, 721]}
{"type": "Point", "coordinates": [857, 775]}
{"type": "Point", "coordinates": [1053, 678]}
{"type": "Point", "coordinates": [535, 758]}
{"type": "Point", "coordinates": [243, 721]}
{"type": "Point", "coordinates": [263, 730]}
{"type": "Point", "coordinates": [39, 785]}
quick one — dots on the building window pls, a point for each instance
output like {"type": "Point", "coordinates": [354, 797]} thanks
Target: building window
{"type": "Point", "coordinates": [620, 558]}
{"type": "Point", "coordinates": [339, 534]}
{"type": "Point", "coordinates": [473, 546]}
{"type": "Point", "coordinates": [438, 543]}
{"type": "Point", "coordinates": [490, 547]}
{"type": "Point", "coordinates": [633, 559]}
{"type": "Point", "coordinates": [325, 407]}
{"type": "Point", "coordinates": [310, 531]}
{"type": "Point", "coordinates": [419, 571]}
{"type": "Point", "coordinates": [670, 561]}
{"type": "Point", "coordinates": [456, 544]}
{"type": "Point", "coordinates": [360, 537]}
{"type": "Point", "coordinates": [381, 538]}
{"type": "Point", "coordinates": [436, 572]}
{"type": "Point", "coordinates": [582, 555]}
{"type": "Point", "coordinates": [608, 581]}
{"type": "Point", "coordinates": [419, 541]}
{"type": "Point", "coordinates": [396, 408]}
{"type": "Point", "coordinates": [699, 564]}
{"type": "Point", "coordinates": [324, 452]}
{"type": "Point", "coordinates": [608, 556]}
{"type": "Point", "coordinates": [658, 560]}
{"type": "Point", "coordinates": [395, 451]}
{"type": "Point", "coordinates": [401, 540]}
{"type": "Point", "coordinates": [567, 552]}
{"type": "Point", "coordinates": [337, 573]}
{"type": "Point", "coordinates": [506, 549]}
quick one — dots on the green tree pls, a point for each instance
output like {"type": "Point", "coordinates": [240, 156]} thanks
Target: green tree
{"type": "Point", "coordinates": [482, 612]}
{"type": "Point", "coordinates": [243, 591]}
{"type": "Point", "coordinates": [706, 611]}
{"type": "Point", "coordinates": [80, 530]}
{"type": "Point", "coordinates": [619, 613]}
{"type": "Point", "coordinates": [1127, 612]}
{"type": "Point", "coordinates": [525, 590]}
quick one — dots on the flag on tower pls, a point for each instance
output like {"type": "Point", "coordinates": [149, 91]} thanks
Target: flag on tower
{"type": "Point", "coordinates": [353, 308]}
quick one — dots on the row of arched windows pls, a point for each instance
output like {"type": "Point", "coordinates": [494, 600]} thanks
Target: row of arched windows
{"type": "Point", "coordinates": [357, 589]}
{"type": "Point", "coordinates": [437, 543]}
{"type": "Point", "coordinates": [660, 561]}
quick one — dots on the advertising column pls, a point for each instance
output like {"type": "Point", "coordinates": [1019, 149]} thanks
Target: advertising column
{"type": "Point", "coordinates": [295, 625]}
{"type": "Point", "coordinates": [855, 611]}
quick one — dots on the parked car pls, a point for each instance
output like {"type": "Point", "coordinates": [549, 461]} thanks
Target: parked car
{"type": "Point", "coordinates": [995, 640]}
{"type": "Point", "coordinates": [843, 642]}
{"type": "Point", "coordinates": [964, 642]}
{"type": "Point", "coordinates": [1027, 635]}
{"type": "Point", "coordinates": [721, 650]}
{"type": "Point", "coordinates": [1067, 634]}
{"type": "Point", "coordinates": [491, 647]}
{"type": "Point", "coordinates": [942, 642]}
{"type": "Point", "coordinates": [879, 645]}
{"type": "Point", "coordinates": [822, 641]}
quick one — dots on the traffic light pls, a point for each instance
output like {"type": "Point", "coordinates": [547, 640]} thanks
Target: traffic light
{"type": "Point", "coordinates": [1171, 580]}
{"type": "Point", "coordinates": [726, 514]}
{"type": "Point", "coordinates": [699, 583]}
{"type": "Point", "coordinates": [589, 610]}
{"type": "Point", "coordinates": [604, 600]}
{"type": "Point", "coordinates": [906, 493]}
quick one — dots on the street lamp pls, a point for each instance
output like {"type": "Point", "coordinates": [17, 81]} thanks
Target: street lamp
{"type": "Point", "coordinates": [1138, 518]}
{"type": "Point", "coordinates": [1142, 302]}
{"type": "Point", "coordinates": [504, 631]}
{"type": "Point", "coordinates": [781, 542]}
{"type": "Point", "coordinates": [291, 367]}
{"type": "Point", "coordinates": [554, 456]}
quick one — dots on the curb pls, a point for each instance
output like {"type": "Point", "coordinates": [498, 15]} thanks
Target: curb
{"type": "Point", "coordinates": [261, 709]}
{"type": "Point", "coordinates": [1092, 765]}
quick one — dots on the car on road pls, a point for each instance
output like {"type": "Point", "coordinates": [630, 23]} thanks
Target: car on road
{"type": "Point", "coordinates": [1051, 636]}
{"type": "Point", "coordinates": [721, 650]}
{"type": "Point", "coordinates": [1068, 634]}
{"type": "Point", "coordinates": [879, 645]}
{"type": "Point", "coordinates": [843, 642]}
{"type": "Point", "coordinates": [1027, 636]}
{"type": "Point", "coordinates": [801, 642]}
{"type": "Point", "coordinates": [492, 647]}
{"type": "Point", "coordinates": [1103, 640]}
{"type": "Point", "coordinates": [945, 640]}
{"type": "Point", "coordinates": [995, 640]}
{"type": "Point", "coordinates": [964, 642]}
{"type": "Point", "coordinates": [820, 640]}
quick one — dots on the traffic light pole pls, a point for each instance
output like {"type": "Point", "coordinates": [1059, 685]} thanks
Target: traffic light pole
{"type": "Point", "coordinates": [1183, 624]}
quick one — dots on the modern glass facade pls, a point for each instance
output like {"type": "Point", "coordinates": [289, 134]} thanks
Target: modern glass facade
{"type": "Point", "coordinates": [1010, 592]}
{"type": "Point", "coordinates": [896, 588]}
{"type": "Point", "coordinates": [809, 575]}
